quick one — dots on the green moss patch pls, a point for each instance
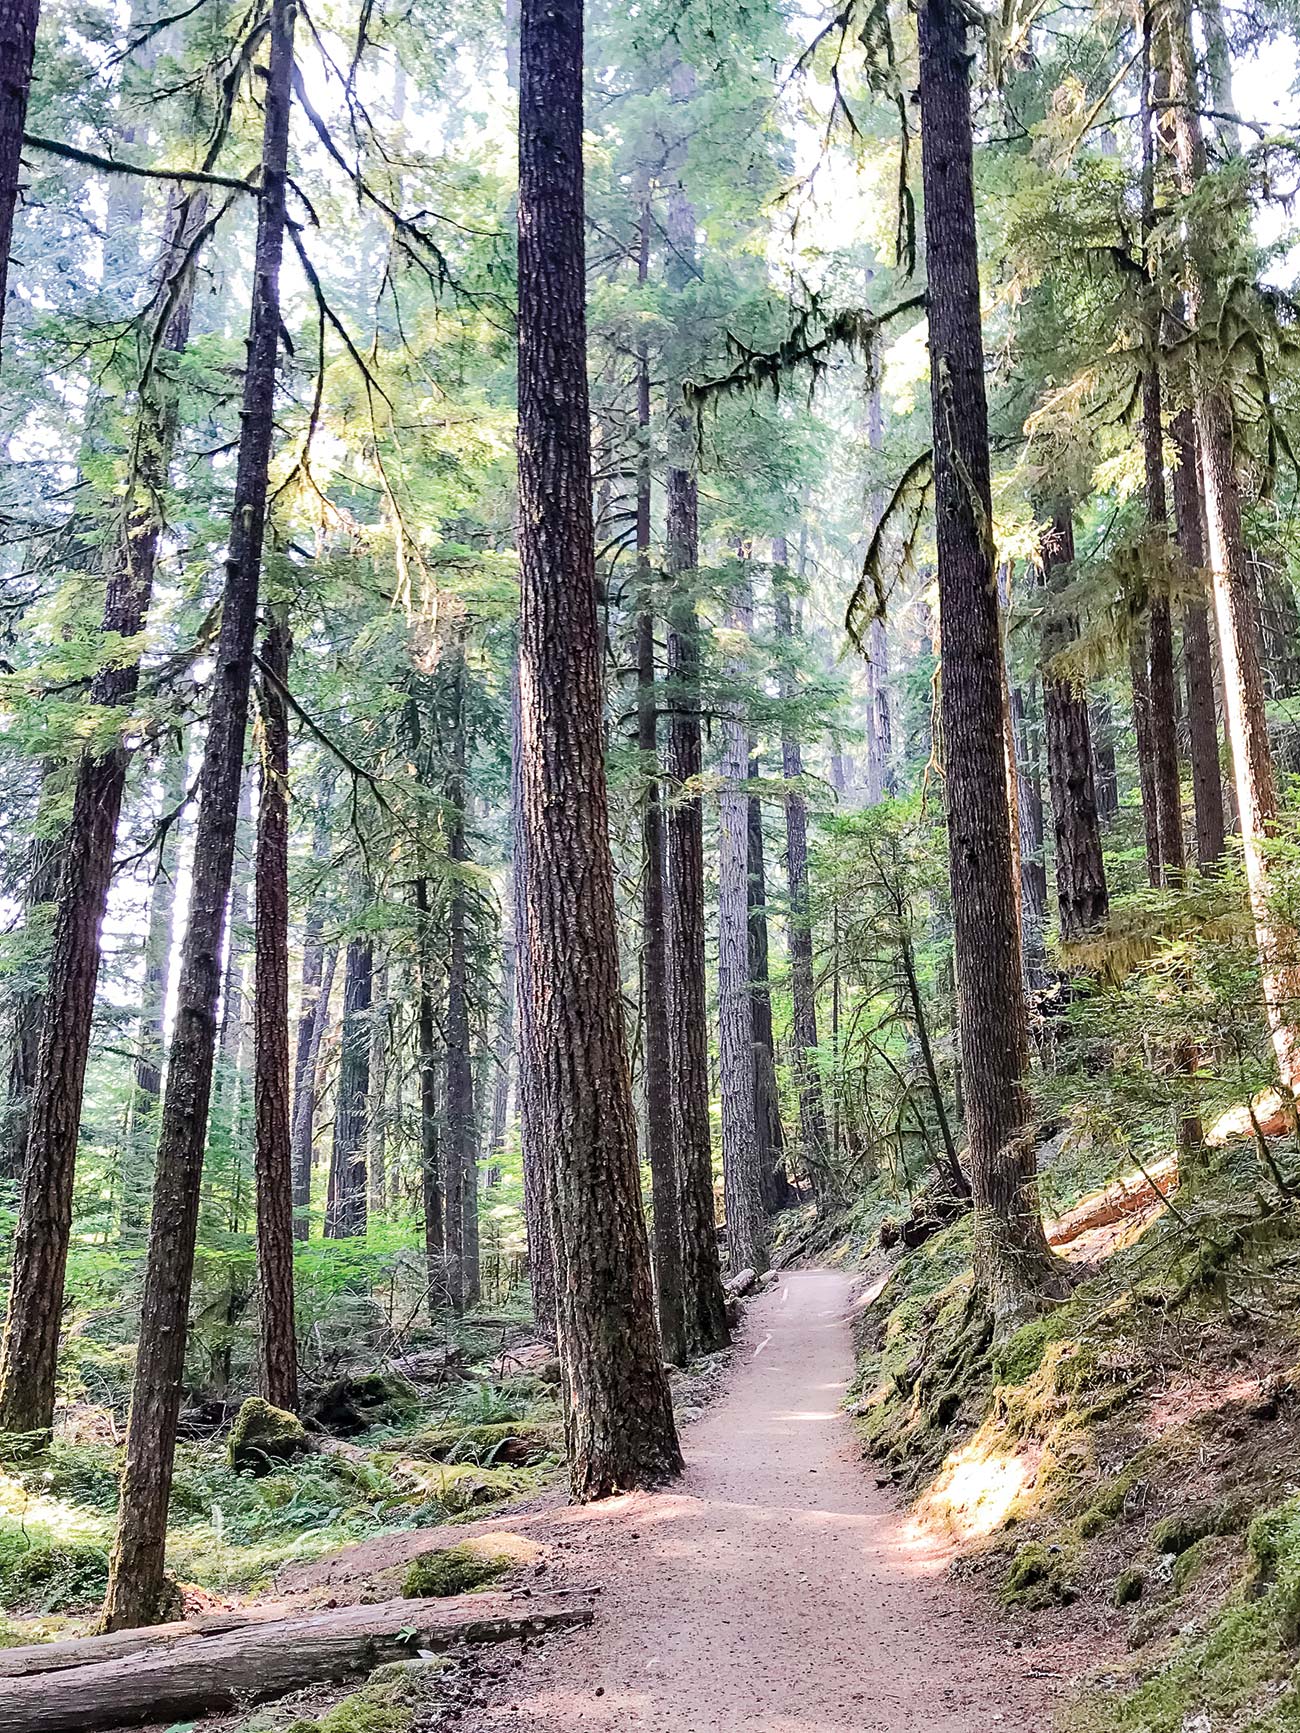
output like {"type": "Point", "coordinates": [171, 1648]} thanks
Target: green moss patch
{"type": "Point", "coordinates": [263, 1435]}
{"type": "Point", "coordinates": [470, 1565]}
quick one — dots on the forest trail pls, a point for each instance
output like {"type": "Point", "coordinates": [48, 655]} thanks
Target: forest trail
{"type": "Point", "coordinates": [774, 1589]}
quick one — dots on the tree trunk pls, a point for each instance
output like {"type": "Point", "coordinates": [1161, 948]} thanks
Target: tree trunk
{"type": "Point", "coordinates": [278, 1361]}
{"type": "Point", "coordinates": [1101, 726]}
{"type": "Point", "coordinates": [742, 1170]}
{"type": "Point", "coordinates": [1198, 652]}
{"type": "Point", "coordinates": [53, 1111]}
{"type": "Point", "coordinates": [17, 53]}
{"type": "Point", "coordinates": [618, 1412]}
{"type": "Point", "coordinates": [1162, 687]}
{"type": "Point", "coordinates": [151, 1039]}
{"type": "Point", "coordinates": [505, 1046]}
{"type": "Point", "coordinates": [345, 1204]}
{"type": "Point", "coordinates": [1243, 687]}
{"type": "Point", "coordinates": [1012, 1260]}
{"type": "Point", "coordinates": [136, 1570]}
{"type": "Point", "coordinates": [537, 1208]}
{"type": "Point", "coordinates": [1081, 896]}
{"type": "Point", "coordinates": [799, 938]}
{"type": "Point", "coordinates": [767, 1103]}
{"type": "Point", "coordinates": [381, 1034]}
{"type": "Point", "coordinates": [1140, 681]}
{"type": "Point", "coordinates": [458, 1168]}
{"type": "Point", "coordinates": [430, 1058]}
{"type": "Point", "coordinates": [305, 1095]}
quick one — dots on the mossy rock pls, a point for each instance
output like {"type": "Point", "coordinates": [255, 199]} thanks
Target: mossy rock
{"type": "Point", "coordinates": [1190, 1563]}
{"type": "Point", "coordinates": [454, 1570]}
{"type": "Point", "coordinates": [387, 1704]}
{"type": "Point", "coordinates": [263, 1435]}
{"type": "Point", "coordinates": [357, 1401]}
{"type": "Point", "coordinates": [511, 1441]}
{"type": "Point", "coordinates": [1176, 1534]}
{"type": "Point", "coordinates": [1037, 1578]}
{"type": "Point", "coordinates": [1129, 1585]}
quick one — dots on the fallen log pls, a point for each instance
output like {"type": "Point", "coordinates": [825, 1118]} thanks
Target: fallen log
{"type": "Point", "coordinates": [1128, 1196]}
{"type": "Point", "coordinates": [258, 1663]}
{"type": "Point", "coordinates": [742, 1283]}
{"type": "Point", "coordinates": [32, 1658]}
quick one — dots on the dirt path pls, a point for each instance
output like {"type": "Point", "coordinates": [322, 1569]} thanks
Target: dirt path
{"type": "Point", "coordinates": [774, 1590]}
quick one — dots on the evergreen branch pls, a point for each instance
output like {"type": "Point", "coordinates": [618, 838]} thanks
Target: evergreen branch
{"type": "Point", "coordinates": [115, 165]}
{"type": "Point", "coordinates": [851, 328]}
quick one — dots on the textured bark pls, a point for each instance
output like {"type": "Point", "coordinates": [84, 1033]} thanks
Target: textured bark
{"type": "Point", "coordinates": [346, 1199]}
{"type": "Point", "coordinates": [688, 1041]}
{"type": "Point", "coordinates": [537, 1209]}
{"type": "Point", "coordinates": [228, 1110]}
{"type": "Point", "coordinates": [53, 1109]}
{"type": "Point", "coordinates": [799, 937]}
{"type": "Point", "coordinates": [1198, 652]}
{"type": "Point", "coordinates": [273, 1170]}
{"type": "Point", "coordinates": [667, 1237]}
{"type": "Point", "coordinates": [136, 1569]}
{"type": "Point", "coordinates": [1234, 599]}
{"type": "Point", "coordinates": [430, 1062]}
{"type": "Point", "coordinates": [18, 21]}
{"type": "Point", "coordinates": [313, 1016]}
{"type": "Point", "coordinates": [618, 1412]}
{"type": "Point", "coordinates": [151, 1039]}
{"type": "Point", "coordinates": [458, 1171]}
{"type": "Point", "coordinates": [1082, 899]}
{"type": "Point", "coordinates": [381, 1035]}
{"type": "Point", "coordinates": [1101, 725]}
{"type": "Point", "coordinates": [1012, 1260]}
{"type": "Point", "coordinates": [504, 1047]}
{"type": "Point", "coordinates": [1140, 683]}
{"type": "Point", "coordinates": [307, 1063]}
{"type": "Point", "coordinates": [767, 1105]}
{"type": "Point", "coordinates": [742, 1170]}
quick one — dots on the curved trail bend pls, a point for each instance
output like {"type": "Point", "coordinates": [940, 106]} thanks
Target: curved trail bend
{"type": "Point", "coordinates": [773, 1589]}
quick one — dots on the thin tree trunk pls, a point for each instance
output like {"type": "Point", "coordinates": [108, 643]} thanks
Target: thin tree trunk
{"type": "Point", "coordinates": [460, 1196]}
{"type": "Point", "coordinates": [1082, 899]}
{"type": "Point", "coordinates": [1101, 726]}
{"type": "Point", "coordinates": [1140, 681]}
{"type": "Point", "coordinates": [435, 1234]}
{"type": "Point", "coordinates": [53, 1110]}
{"type": "Point", "coordinates": [345, 1204]}
{"type": "Point", "coordinates": [618, 1411]}
{"type": "Point", "coordinates": [537, 1208]}
{"type": "Point", "coordinates": [303, 1137]}
{"type": "Point", "coordinates": [151, 1040]}
{"type": "Point", "coordinates": [1198, 652]}
{"type": "Point", "coordinates": [136, 1569]}
{"type": "Point", "coordinates": [1247, 719]}
{"type": "Point", "coordinates": [742, 1171]}
{"type": "Point", "coordinates": [278, 1360]}
{"type": "Point", "coordinates": [767, 1104]}
{"type": "Point", "coordinates": [381, 1031]}
{"type": "Point", "coordinates": [1012, 1259]}
{"type": "Point", "coordinates": [18, 21]}
{"type": "Point", "coordinates": [504, 1050]}
{"type": "Point", "coordinates": [799, 937]}
{"type": "Point", "coordinates": [313, 1016]}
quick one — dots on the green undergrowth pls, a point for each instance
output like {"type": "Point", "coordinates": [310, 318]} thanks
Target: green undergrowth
{"type": "Point", "coordinates": [233, 1528]}
{"type": "Point", "coordinates": [395, 1699]}
{"type": "Point", "coordinates": [1131, 1453]}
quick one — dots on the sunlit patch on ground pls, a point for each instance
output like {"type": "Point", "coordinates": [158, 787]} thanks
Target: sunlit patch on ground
{"type": "Point", "coordinates": [976, 1488]}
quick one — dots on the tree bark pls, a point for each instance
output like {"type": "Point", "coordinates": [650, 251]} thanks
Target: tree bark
{"type": "Point", "coordinates": [1101, 726]}
{"type": "Point", "coordinates": [537, 1208]}
{"type": "Point", "coordinates": [430, 1059]}
{"type": "Point", "coordinates": [273, 1170]}
{"type": "Point", "coordinates": [136, 1569]}
{"type": "Point", "coordinates": [381, 1035]}
{"type": "Point", "coordinates": [618, 1412]}
{"type": "Point", "coordinates": [460, 1192]}
{"type": "Point", "coordinates": [1234, 606]}
{"type": "Point", "coordinates": [313, 1017]}
{"type": "Point", "coordinates": [346, 1199]}
{"type": "Point", "coordinates": [1012, 1260]}
{"type": "Point", "coordinates": [1198, 652]}
{"type": "Point", "coordinates": [742, 1171]}
{"type": "Point", "coordinates": [17, 53]}
{"type": "Point", "coordinates": [29, 1352]}
{"type": "Point", "coordinates": [767, 1103]}
{"type": "Point", "coordinates": [150, 1051]}
{"type": "Point", "coordinates": [1140, 682]}
{"type": "Point", "coordinates": [799, 937]}
{"type": "Point", "coordinates": [1082, 898]}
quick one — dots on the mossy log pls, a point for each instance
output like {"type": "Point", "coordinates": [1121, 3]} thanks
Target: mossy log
{"type": "Point", "coordinates": [261, 1662]}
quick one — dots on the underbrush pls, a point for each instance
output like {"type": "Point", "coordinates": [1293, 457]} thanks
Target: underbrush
{"type": "Point", "coordinates": [1134, 1451]}
{"type": "Point", "coordinates": [440, 1453]}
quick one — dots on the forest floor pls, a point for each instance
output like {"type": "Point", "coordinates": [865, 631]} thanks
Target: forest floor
{"type": "Point", "coordinates": [775, 1587]}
